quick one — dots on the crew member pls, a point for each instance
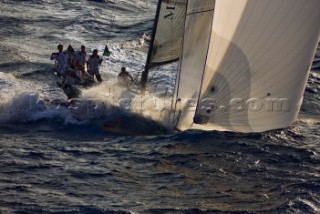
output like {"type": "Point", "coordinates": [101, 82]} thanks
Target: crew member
{"type": "Point", "coordinates": [71, 55]}
{"type": "Point", "coordinates": [80, 59]}
{"type": "Point", "coordinates": [61, 60]}
{"type": "Point", "coordinates": [124, 78]}
{"type": "Point", "coordinates": [94, 63]}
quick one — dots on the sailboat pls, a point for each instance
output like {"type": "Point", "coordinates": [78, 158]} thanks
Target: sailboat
{"type": "Point", "coordinates": [243, 64]}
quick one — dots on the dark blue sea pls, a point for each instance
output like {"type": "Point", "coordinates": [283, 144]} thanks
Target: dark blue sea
{"type": "Point", "coordinates": [56, 159]}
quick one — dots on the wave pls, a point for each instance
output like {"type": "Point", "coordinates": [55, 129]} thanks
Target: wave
{"type": "Point", "coordinates": [114, 110]}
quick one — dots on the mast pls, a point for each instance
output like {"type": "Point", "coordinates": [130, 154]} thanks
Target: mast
{"type": "Point", "coordinates": [144, 76]}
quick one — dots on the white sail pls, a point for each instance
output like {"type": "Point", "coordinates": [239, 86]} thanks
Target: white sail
{"type": "Point", "coordinates": [255, 72]}
{"type": "Point", "coordinates": [195, 48]}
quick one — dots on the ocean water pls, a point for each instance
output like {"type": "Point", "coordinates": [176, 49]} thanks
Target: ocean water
{"type": "Point", "coordinates": [55, 159]}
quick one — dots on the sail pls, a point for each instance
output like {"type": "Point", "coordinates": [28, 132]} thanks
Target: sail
{"type": "Point", "coordinates": [195, 47]}
{"type": "Point", "coordinates": [258, 61]}
{"type": "Point", "coordinates": [168, 32]}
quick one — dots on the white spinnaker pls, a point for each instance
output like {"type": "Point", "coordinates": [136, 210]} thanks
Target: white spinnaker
{"type": "Point", "coordinates": [259, 51]}
{"type": "Point", "coordinates": [192, 61]}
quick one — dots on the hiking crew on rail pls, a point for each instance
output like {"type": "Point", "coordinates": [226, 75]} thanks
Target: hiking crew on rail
{"type": "Point", "coordinates": [69, 60]}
